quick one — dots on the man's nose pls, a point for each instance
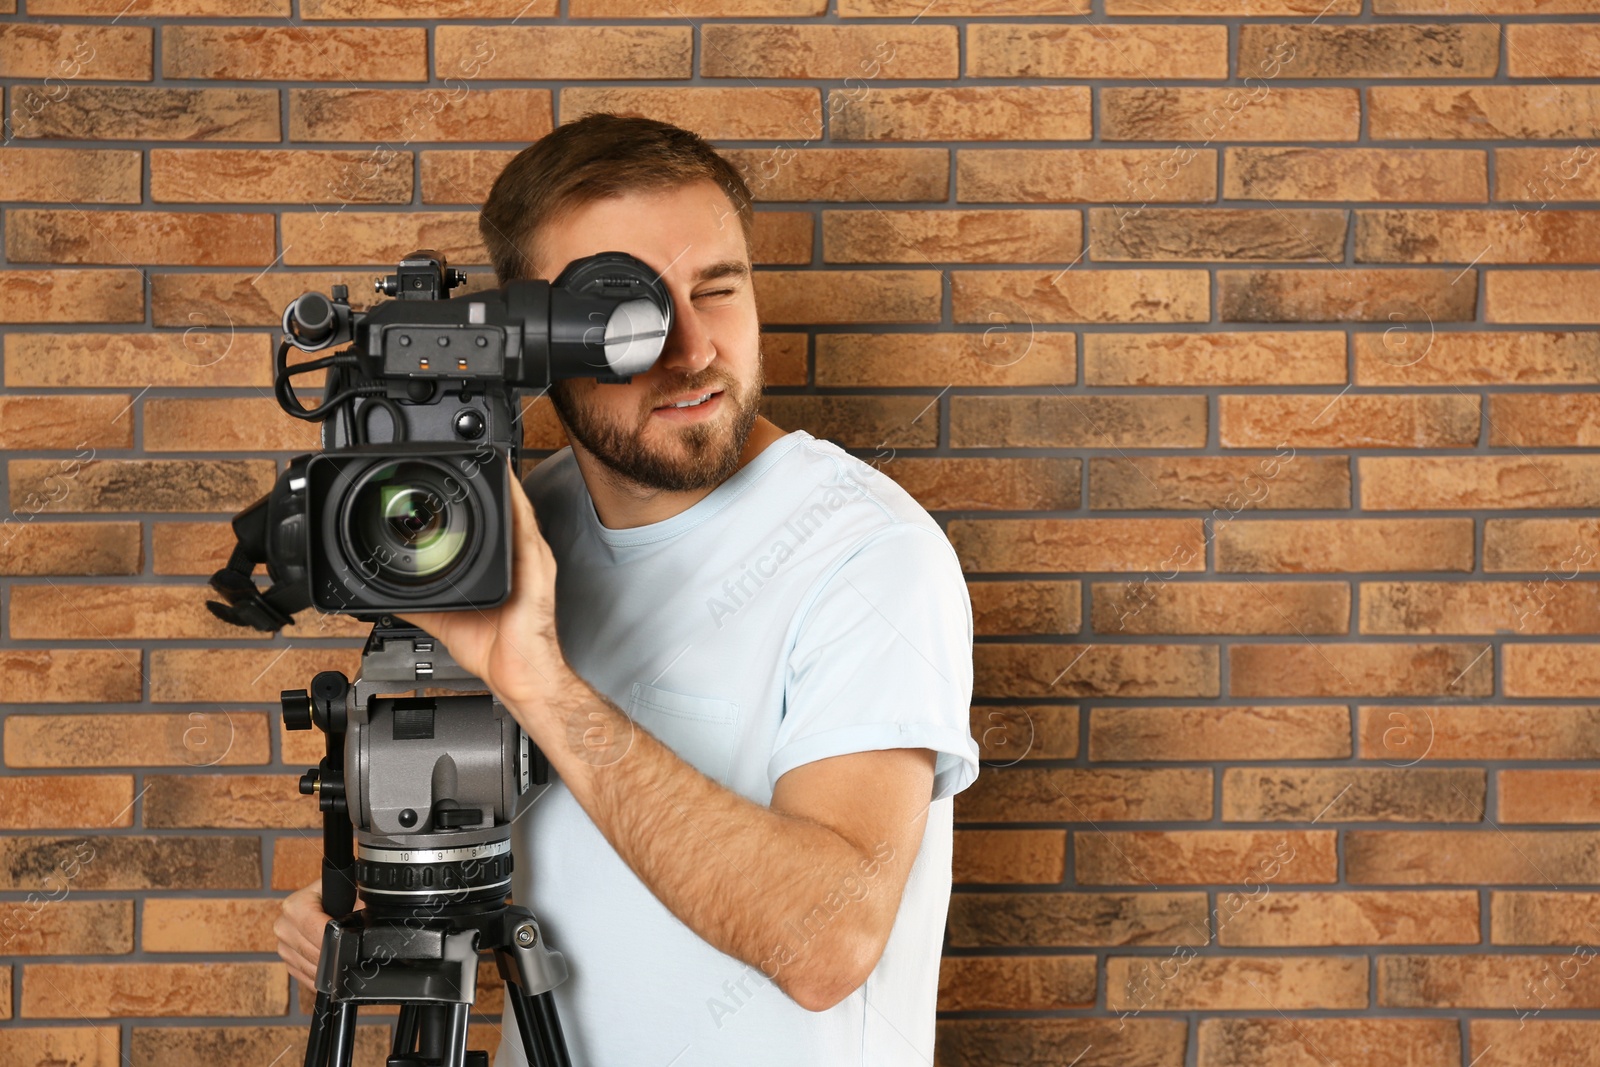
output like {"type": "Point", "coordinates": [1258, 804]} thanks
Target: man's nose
{"type": "Point", "coordinates": [689, 347]}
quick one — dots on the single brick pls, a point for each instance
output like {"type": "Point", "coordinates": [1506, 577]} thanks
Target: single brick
{"type": "Point", "coordinates": [37, 549]}
{"type": "Point", "coordinates": [1556, 670]}
{"type": "Point", "coordinates": [150, 113]}
{"type": "Point", "coordinates": [68, 296]}
{"type": "Point", "coordinates": [1428, 357]}
{"type": "Point", "coordinates": [199, 355]}
{"type": "Point", "coordinates": [1206, 115]}
{"type": "Point", "coordinates": [1018, 608]}
{"type": "Point", "coordinates": [1041, 1040]}
{"type": "Point", "coordinates": [196, 1046]}
{"type": "Point", "coordinates": [1542, 175]}
{"type": "Point", "coordinates": [191, 547]}
{"type": "Point", "coordinates": [1023, 484]}
{"type": "Point", "coordinates": [972, 236]}
{"type": "Point", "coordinates": [1078, 175]}
{"type": "Point", "coordinates": [1540, 296]}
{"type": "Point", "coordinates": [1216, 733]}
{"type": "Point", "coordinates": [1427, 236]}
{"type": "Point", "coordinates": [70, 676]}
{"type": "Point", "coordinates": [1011, 50]}
{"type": "Point", "coordinates": [1219, 483]}
{"type": "Point", "coordinates": [1198, 857]}
{"type": "Point", "coordinates": [1334, 545]}
{"type": "Point", "coordinates": [859, 421]}
{"type": "Point", "coordinates": [849, 297]}
{"type": "Point", "coordinates": [89, 175]}
{"type": "Point", "coordinates": [563, 53]}
{"type": "Point", "coordinates": [1311, 918]}
{"type": "Point", "coordinates": [782, 237]}
{"type": "Point", "coordinates": [1095, 671]}
{"type": "Point", "coordinates": [1077, 422]}
{"type": "Point", "coordinates": [1046, 545]}
{"type": "Point", "coordinates": [437, 9]}
{"type": "Point", "coordinates": [1396, 483]}
{"type": "Point", "coordinates": [296, 861]}
{"type": "Point", "coordinates": [1554, 606]}
{"type": "Point", "coordinates": [1534, 917]}
{"type": "Point", "coordinates": [1024, 794]}
{"type": "Point", "coordinates": [863, 53]}
{"type": "Point", "coordinates": [225, 424]}
{"type": "Point", "coordinates": [295, 53]}
{"type": "Point", "coordinates": [871, 174]}
{"type": "Point", "coordinates": [118, 612]}
{"type": "Point", "coordinates": [963, 113]}
{"type": "Point", "coordinates": [64, 927]}
{"type": "Point", "coordinates": [1212, 983]}
{"type": "Point", "coordinates": [314, 238]}
{"type": "Point", "coordinates": [112, 990]}
{"type": "Point", "coordinates": [409, 115]}
{"type": "Point", "coordinates": [1408, 733]}
{"type": "Point", "coordinates": [1319, 420]}
{"type": "Point", "coordinates": [137, 739]}
{"type": "Point", "coordinates": [66, 802]}
{"type": "Point", "coordinates": [49, 235]}
{"type": "Point", "coordinates": [74, 51]}
{"type": "Point", "coordinates": [1078, 920]}
{"type": "Point", "coordinates": [1353, 794]}
{"type": "Point", "coordinates": [1007, 734]}
{"type": "Point", "coordinates": [63, 422]}
{"type": "Point", "coordinates": [182, 8]}
{"type": "Point", "coordinates": [130, 863]}
{"type": "Point", "coordinates": [1168, 234]}
{"type": "Point", "coordinates": [1342, 295]}
{"type": "Point", "coordinates": [1472, 857]}
{"type": "Point", "coordinates": [1544, 419]}
{"type": "Point", "coordinates": [1565, 546]}
{"type": "Point", "coordinates": [991, 358]}
{"type": "Point", "coordinates": [1376, 1042]}
{"type": "Point", "coordinates": [893, 8]}
{"type": "Point", "coordinates": [45, 1046]}
{"type": "Point", "coordinates": [1016, 983]}
{"type": "Point", "coordinates": [280, 175]}
{"type": "Point", "coordinates": [1525, 1041]}
{"type": "Point", "coordinates": [1009, 857]}
{"type": "Point", "coordinates": [1345, 174]}
{"type": "Point", "coordinates": [227, 801]}
{"type": "Point", "coordinates": [1483, 112]}
{"type": "Point", "coordinates": [1392, 50]}
{"type": "Point", "coordinates": [1552, 50]}
{"type": "Point", "coordinates": [191, 675]}
{"type": "Point", "coordinates": [1305, 669]}
{"type": "Point", "coordinates": [1168, 607]}
{"type": "Point", "coordinates": [1031, 296]}
{"type": "Point", "coordinates": [181, 925]}
{"type": "Point", "coordinates": [1563, 796]}
{"type": "Point", "coordinates": [1245, 8]}
{"type": "Point", "coordinates": [1245, 357]}
{"type": "Point", "coordinates": [140, 484]}
{"type": "Point", "coordinates": [751, 114]}
{"type": "Point", "coordinates": [1480, 981]}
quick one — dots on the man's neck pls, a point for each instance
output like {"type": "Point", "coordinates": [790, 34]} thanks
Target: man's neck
{"type": "Point", "coordinates": [623, 504]}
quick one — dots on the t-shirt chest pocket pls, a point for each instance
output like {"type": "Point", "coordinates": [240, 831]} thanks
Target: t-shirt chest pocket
{"type": "Point", "coordinates": [701, 730]}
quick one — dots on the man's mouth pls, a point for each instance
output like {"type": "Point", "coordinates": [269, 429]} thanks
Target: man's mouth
{"type": "Point", "coordinates": [690, 401]}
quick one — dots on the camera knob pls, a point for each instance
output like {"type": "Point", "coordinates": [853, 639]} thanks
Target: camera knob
{"type": "Point", "coordinates": [296, 709]}
{"type": "Point", "coordinates": [469, 424]}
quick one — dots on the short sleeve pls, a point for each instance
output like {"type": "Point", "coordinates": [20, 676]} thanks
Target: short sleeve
{"type": "Point", "coordinates": [882, 659]}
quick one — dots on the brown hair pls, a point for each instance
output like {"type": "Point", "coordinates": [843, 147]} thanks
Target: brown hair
{"type": "Point", "coordinates": [594, 157]}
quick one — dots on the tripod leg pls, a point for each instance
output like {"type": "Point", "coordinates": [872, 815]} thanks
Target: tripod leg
{"type": "Point", "coordinates": [344, 1033]}
{"type": "Point", "coordinates": [405, 1031]}
{"type": "Point", "coordinates": [432, 1020]}
{"type": "Point", "coordinates": [533, 1039]}
{"type": "Point", "coordinates": [545, 1006]}
{"type": "Point", "coordinates": [318, 1043]}
{"type": "Point", "coordinates": [455, 1054]}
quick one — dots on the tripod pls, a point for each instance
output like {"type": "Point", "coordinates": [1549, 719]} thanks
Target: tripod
{"type": "Point", "coordinates": [434, 780]}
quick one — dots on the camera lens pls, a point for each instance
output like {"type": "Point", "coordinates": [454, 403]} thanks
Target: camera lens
{"type": "Point", "coordinates": [411, 522]}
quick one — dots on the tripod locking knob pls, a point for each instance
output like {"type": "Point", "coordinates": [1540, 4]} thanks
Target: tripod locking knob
{"type": "Point", "coordinates": [296, 710]}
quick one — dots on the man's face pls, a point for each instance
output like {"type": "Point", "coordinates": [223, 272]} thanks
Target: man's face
{"type": "Point", "coordinates": [691, 237]}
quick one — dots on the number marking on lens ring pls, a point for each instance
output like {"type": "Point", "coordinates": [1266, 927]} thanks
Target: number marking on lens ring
{"type": "Point", "coordinates": [432, 855]}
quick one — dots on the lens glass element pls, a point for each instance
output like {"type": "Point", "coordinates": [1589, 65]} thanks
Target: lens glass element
{"type": "Point", "coordinates": [411, 522]}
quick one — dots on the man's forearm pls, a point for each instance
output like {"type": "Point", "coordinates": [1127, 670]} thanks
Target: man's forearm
{"type": "Point", "coordinates": [762, 886]}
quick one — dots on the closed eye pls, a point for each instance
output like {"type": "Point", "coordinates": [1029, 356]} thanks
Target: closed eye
{"type": "Point", "coordinates": [713, 292]}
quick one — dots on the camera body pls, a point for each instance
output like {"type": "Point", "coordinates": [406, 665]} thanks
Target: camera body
{"type": "Point", "coordinates": [408, 506]}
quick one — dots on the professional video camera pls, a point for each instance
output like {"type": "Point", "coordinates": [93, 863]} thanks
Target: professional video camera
{"type": "Point", "coordinates": [406, 507]}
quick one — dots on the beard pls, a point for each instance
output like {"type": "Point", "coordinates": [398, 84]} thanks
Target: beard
{"type": "Point", "coordinates": [700, 455]}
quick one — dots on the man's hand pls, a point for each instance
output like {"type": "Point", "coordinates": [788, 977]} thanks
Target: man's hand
{"type": "Point", "coordinates": [299, 929]}
{"type": "Point", "coordinates": [511, 648]}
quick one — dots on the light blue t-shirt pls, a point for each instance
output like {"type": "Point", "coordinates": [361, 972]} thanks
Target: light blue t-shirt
{"type": "Point", "coordinates": [807, 607]}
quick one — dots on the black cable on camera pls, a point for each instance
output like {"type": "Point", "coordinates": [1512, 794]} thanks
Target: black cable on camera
{"type": "Point", "coordinates": [283, 388]}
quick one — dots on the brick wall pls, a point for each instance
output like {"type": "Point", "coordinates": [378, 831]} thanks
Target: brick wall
{"type": "Point", "coordinates": [1245, 348]}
